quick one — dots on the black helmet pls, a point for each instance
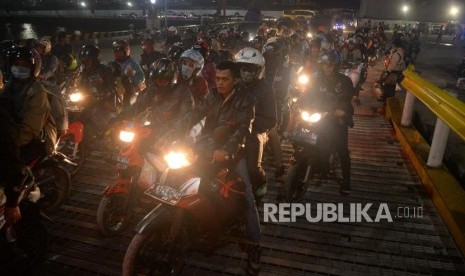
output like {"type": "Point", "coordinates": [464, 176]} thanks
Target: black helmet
{"type": "Point", "coordinates": [258, 42]}
{"type": "Point", "coordinates": [245, 35]}
{"type": "Point", "coordinates": [148, 43]}
{"type": "Point", "coordinates": [90, 51]}
{"type": "Point", "coordinates": [176, 51]}
{"type": "Point", "coordinates": [123, 46]}
{"type": "Point", "coordinates": [31, 57]}
{"type": "Point", "coordinates": [164, 68]}
{"type": "Point", "coordinates": [331, 58]}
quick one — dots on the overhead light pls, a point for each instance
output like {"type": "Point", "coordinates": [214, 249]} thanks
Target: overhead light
{"type": "Point", "coordinates": [129, 4]}
{"type": "Point", "coordinates": [83, 4]}
{"type": "Point", "coordinates": [153, 1]}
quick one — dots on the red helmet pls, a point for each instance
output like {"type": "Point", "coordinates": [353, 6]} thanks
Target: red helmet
{"type": "Point", "coordinates": [123, 46]}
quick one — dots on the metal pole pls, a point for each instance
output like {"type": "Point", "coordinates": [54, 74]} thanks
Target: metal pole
{"type": "Point", "coordinates": [407, 112]}
{"type": "Point", "coordinates": [166, 20]}
{"type": "Point", "coordinates": [439, 143]}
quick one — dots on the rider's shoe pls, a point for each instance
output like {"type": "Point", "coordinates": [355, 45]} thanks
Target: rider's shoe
{"type": "Point", "coordinates": [253, 261]}
{"type": "Point", "coordinates": [261, 191]}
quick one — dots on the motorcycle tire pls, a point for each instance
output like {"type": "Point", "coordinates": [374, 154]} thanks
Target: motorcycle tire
{"type": "Point", "coordinates": [66, 147]}
{"type": "Point", "coordinates": [54, 183]}
{"type": "Point", "coordinates": [139, 257]}
{"type": "Point", "coordinates": [294, 185]}
{"type": "Point", "coordinates": [113, 216]}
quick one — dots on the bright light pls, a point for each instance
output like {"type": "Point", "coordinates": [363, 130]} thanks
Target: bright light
{"type": "Point", "coordinates": [126, 136]}
{"type": "Point", "coordinates": [303, 79]}
{"type": "Point", "coordinates": [176, 160]}
{"type": "Point", "coordinates": [454, 11]}
{"type": "Point", "coordinates": [76, 97]}
{"type": "Point", "coordinates": [405, 8]}
{"type": "Point", "coordinates": [129, 4]}
{"type": "Point", "coordinates": [153, 1]}
{"type": "Point", "coordinates": [83, 4]}
{"type": "Point", "coordinates": [311, 118]}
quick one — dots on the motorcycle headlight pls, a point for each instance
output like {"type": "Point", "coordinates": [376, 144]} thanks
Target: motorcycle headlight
{"type": "Point", "coordinates": [310, 117]}
{"type": "Point", "coordinates": [76, 97]}
{"type": "Point", "coordinates": [303, 79]}
{"type": "Point", "coordinates": [176, 160]}
{"type": "Point", "coordinates": [294, 99]}
{"type": "Point", "coordinates": [309, 35]}
{"type": "Point", "coordinates": [126, 136]}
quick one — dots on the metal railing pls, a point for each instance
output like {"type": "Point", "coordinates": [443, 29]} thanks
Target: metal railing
{"type": "Point", "coordinates": [449, 110]}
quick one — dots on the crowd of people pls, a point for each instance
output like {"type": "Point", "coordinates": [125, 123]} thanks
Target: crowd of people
{"type": "Point", "coordinates": [238, 85]}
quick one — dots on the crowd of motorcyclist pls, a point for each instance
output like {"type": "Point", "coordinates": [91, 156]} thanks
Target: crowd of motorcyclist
{"type": "Point", "coordinates": [237, 87]}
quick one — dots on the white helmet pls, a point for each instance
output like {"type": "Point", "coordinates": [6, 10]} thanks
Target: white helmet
{"type": "Point", "coordinates": [46, 43]}
{"type": "Point", "coordinates": [173, 29]}
{"type": "Point", "coordinates": [194, 56]}
{"type": "Point", "coordinates": [251, 56]}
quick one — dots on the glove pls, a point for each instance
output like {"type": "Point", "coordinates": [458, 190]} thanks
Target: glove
{"type": "Point", "coordinates": [220, 155]}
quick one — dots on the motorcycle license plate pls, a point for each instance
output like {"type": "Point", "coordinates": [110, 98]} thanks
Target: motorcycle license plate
{"type": "Point", "coordinates": [122, 162]}
{"type": "Point", "coordinates": [307, 137]}
{"type": "Point", "coordinates": [164, 193]}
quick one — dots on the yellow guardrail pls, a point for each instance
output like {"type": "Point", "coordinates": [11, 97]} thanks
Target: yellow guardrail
{"type": "Point", "coordinates": [446, 107]}
{"type": "Point", "coordinates": [445, 191]}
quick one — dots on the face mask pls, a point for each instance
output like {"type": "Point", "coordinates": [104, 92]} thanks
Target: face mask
{"type": "Point", "coordinates": [247, 77]}
{"type": "Point", "coordinates": [187, 71]}
{"type": "Point", "coordinates": [20, 72]}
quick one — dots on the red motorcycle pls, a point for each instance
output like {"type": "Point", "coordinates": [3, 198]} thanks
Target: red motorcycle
{"type": "Point", "coordinates": [134, 175]}
{"type": "Point", "coordinates": [185, 219]}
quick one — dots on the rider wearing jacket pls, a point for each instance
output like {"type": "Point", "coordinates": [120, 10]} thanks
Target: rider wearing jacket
{"type": "Point", "coordinates": [170, 101]}
{"type": "Point", "coordinates": [31, 128]}
{"type": "Point", "coordinates": [332, 92]}
{"type": "Point", "coordinates": [131, 73]}
{"type": "Point", "coordinates": [191, 65]}
{"type": "Point", "coordinates": [229, 112]}
{"type": "Point", "coordinates": [252, 65]}
{"type": "Point", "coordinates": [96, 78]}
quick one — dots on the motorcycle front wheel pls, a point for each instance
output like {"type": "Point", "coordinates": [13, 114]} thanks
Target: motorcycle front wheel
{"type": "Point", "coordinates": [153, 254]}
{"type": "Point", "coordinates": [54, 184]}
{"type": "Point", "coordinates": [113, 214]}
{"type": "Point", "coordinates": [295, 186]}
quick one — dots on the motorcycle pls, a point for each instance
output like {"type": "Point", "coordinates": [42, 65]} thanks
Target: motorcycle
{"type": "Point", "coordinates": [88, 126]}
{"type": "Point", "coordinates": [312, 153]}
{"type": "Point", "coordinates": [115, 209]}
{"type": "Point", "coordinates": [23, 245]}
{"type": "Point", "coordinates": [185, 218]}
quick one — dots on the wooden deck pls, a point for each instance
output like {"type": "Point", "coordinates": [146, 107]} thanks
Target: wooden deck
{"type": "Point", "coordinates": [380, 174]}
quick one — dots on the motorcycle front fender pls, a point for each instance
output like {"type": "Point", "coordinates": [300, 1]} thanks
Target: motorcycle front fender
{"type": "Point", "coordinates": [159, 216]}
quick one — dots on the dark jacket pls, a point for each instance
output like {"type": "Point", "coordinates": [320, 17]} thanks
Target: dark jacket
{"type": "Point", "coordinates": [31, 111]}
{"type": "Point", "coordinates": [171, 109]}
{"type": "Point", "coordinates": [227, 122]}
{"type": "Point", "coordinates": [329, 95]}
{"type": "Point", "coordinates": [99, 80]}
{"type": "Point", "coordinates": [265, 105]}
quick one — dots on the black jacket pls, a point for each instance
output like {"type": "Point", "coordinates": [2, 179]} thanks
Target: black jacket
{"type": "Point", "coordinates": [265, 105]}
{"type": "Point", "coordinates": [329, 95]}
{"type": "Point", "coordinates": [227, 122]}
{"type": "Point", "coordinates": [171, 109]}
